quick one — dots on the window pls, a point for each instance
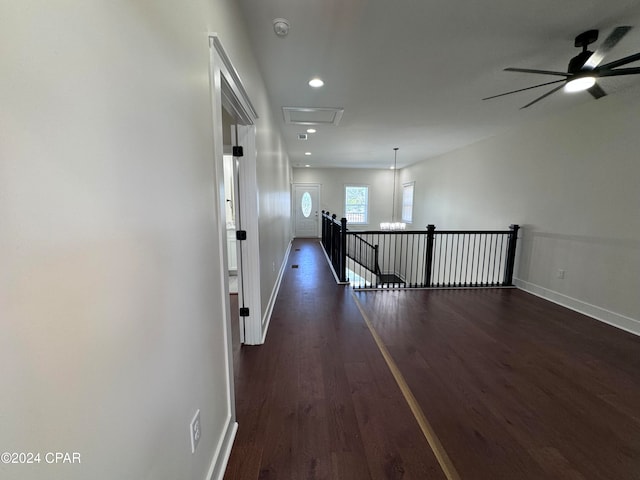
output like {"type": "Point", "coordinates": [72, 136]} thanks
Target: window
{"type": "Point", "coordinates": [356, 203]}
{"type": "Point", "coordinates": [407, 202]}
{"type": "Point", "coordinates": [305, 204]}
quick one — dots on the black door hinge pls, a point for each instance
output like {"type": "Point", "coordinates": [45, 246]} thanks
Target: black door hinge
{"type": "Point", "coordinates": [244, 311]}
{"type": "Point", "coordinates": [241, 234]}
{"type": "Point", "coordinates": [237, 151]}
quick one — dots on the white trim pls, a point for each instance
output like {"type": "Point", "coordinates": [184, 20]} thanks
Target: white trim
{"type": "Point", "coordinates": [229, 93]}
{"type": "Point", "coordinates": [248, 220]}
{"type": "Point", "coordinates": [226, 92]}
{"type": "Point", "coordinates": [622, 322]}
{"type": "Point", "coordinates": [242, 105]}
{"type": "Point", "coordinates": [266, 319]}
{"type": "Point", "coordinates": [216, 72]}
{"type": "Point", "coordinates": [222, 452]}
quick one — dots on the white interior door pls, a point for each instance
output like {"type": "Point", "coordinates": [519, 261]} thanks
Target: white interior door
{"type": "Point", "coordinates": [306, 210]}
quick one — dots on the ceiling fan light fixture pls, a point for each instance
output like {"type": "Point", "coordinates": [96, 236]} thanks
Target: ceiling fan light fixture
{"type": "Point", "coordinates": [579, 84]}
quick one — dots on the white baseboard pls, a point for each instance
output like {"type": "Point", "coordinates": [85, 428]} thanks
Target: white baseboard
{"type": "Point", "coordinates": [223, 452]}
{"type": "Point", "coordinates": [623, 322]}
{"type": "Point", "coordinates": [335, 275]}
{"type": "Point", "coordinates": [266, 319]}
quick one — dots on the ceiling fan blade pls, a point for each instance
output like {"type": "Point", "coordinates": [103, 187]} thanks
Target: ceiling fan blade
{"type": "Point", "coordinates": [618, 63]}
{"type": "Point", "coordinates": [619, 72]}
{"type": "Point", "coordinates": [605, 47]}
{"type": "Point", "coordinates": [522, 89]}
{"type": "Point", "coordinates": [543, 96]}
{"type": "Point", "coordinates": [596, 91]}
{"type": "Point", "coordinates": [541, 72]}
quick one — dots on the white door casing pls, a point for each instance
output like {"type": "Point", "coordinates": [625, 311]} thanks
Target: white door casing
{"type": "Point", "coordinates": [249, 249]}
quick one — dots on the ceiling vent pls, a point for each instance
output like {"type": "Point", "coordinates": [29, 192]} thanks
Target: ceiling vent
{"type": "Point", "coordinates": [303, 136]}
{"type": "Point", "coordinates": [312, 115]}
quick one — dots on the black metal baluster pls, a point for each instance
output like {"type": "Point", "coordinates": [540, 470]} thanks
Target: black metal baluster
{"type": "Point", "coordinates": [467, 278]}
{"type": "Point", "coordinates": [441, 270]}
{"type": "Point", "coordinates": [484, 254]}
{"type": "Point", "coordinates": [501, 256]}
{"type": "Point", "coordinates": [408, 261]}
{"type": "Point", "coordinates": [452, 261]}
{"type": "Point", "coordinates": [443, 276]}
{"type": "Point", "coordinates": [495, 259]}
{"type": "Point", "coordinates": [494, 240]}
{"type": "Point", "coordinates": [452, 270]}
{"type": "Point", "coordinates": [473, 258]}
{"type": "Point", "coordinates": [466, 262]}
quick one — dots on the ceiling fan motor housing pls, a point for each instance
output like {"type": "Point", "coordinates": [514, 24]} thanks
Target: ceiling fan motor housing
{"type": "Point", "coordinates": [582, 41]}
{"type": "Point", "coordinates": [577, 62]}
{"type": "Point", "coordinates": [586, 38]}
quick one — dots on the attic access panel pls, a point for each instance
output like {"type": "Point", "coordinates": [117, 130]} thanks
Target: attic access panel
{"type": "Point", "coordinates": [312, 115]}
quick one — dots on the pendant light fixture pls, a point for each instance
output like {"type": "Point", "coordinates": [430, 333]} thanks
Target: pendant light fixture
{"type": "Point", "coordinates": [393, 225]}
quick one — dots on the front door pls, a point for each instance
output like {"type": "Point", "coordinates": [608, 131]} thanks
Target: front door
{"type": "Point", "coordinates": [306, 205]}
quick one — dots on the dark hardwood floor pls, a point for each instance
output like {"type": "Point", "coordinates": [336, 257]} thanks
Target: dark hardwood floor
{"type": "Point", "coordinates": [514, 387]}
{"type": "Point", "coordinates": [317, 401]}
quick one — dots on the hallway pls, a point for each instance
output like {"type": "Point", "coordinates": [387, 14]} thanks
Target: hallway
{"type": "Point", "coordinates": [317, 401]}
{"type": "Point", "coordinates": [513, 386]}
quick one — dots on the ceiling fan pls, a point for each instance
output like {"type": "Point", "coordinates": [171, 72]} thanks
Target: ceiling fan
{"type": "Point", "coordinates": [584, 68]}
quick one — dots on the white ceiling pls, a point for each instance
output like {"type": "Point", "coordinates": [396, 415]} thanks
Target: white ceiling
{"type": "Point", "coordinates": [412, 73]}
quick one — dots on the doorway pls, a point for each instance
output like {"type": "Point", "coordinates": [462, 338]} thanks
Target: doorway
{"type": "Point", "coordinates": [229, 97]}
{"type": "Point", "coordinates": [306, 210]}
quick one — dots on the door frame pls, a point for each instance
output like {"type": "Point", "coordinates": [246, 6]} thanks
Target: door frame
{"type": "Point", "coordinates": [228, 92]}
{"type": "Point", "coordinates": [293, 205]}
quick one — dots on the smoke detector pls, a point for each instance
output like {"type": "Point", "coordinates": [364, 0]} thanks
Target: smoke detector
{"type": "Point", "coordinates": [281, 27]}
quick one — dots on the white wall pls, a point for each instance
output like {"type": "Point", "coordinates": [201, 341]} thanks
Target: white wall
{"type": "Point", "coordinates": [274, 179]}
{"type": "Point", "coordinates": [111, 306]}
{"type": "Point", "coordinates": [572, 183]}
{"type": "Point", "coordinates": [333, 181]}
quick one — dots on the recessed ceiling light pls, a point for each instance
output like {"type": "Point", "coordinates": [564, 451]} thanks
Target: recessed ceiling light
{"type": "Point", "coordinates": [307, 153]}
{"type": "Point", "coordinates": [307, 165]}
{"type": "Point", "coordinates": [391, 167]}
{"type": "Point", "coordinates": [316, 82]}
{"type": "Point", "coordinates": [311, 130]}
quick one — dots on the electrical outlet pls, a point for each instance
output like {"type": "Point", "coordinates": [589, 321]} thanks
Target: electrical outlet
{"type": "Point", "coordinates": [195, 431]}
{"type": "Point", "coordinates": [561, 274]}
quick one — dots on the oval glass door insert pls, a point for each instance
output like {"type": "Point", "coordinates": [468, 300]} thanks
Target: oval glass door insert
{"type": "Point", "coordinates": [305, 204]}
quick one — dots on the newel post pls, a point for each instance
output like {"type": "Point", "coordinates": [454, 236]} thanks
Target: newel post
{"type": "Point", "coordinates": [429, 254]}
{"type": "Point", "coordinates": [511, 255]}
